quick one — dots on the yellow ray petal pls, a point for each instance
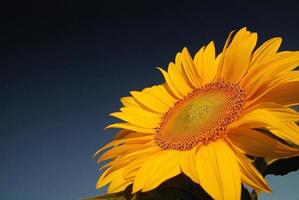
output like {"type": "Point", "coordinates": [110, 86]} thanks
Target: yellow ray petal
{"type": "Point", "coordinates": [162, 94]}
{"type": "Point", "coordinates": [218, 171]}
{"type": "Point", "coordinates": [140, 112]}
{"type": "Point", "coordinates": [265, 72]}
{"type": "Point", "coordinates": [129, 101]}
{"type": "Point", "coordinates": [265, 51]}
{"type": "Point", "coordinates": [238, 55]}
{"type": "Point", "coordinates": [188, 164]}
{"type": "Point", "coordinates": [198, 62]}
{"type": "Point", "coordinates": [138, 117]}
{"type": "Point", "coordinates": [249, 174]}
{"type": "Point", "coordinates": [123, 155]}
{"type": "Point", "coordinates": [289, 132]}
{"type": "Point", "coordinates": [221, 67]}
{"type": "Point", "coordinates": [134, 140]}
{"type": "Point", "coordinates": [170, 84]}
{"type": "Point", "coordinates": [117, 182]}
{"type": "Point", "coordinates": [285, 94]}
{"type": "Point", "coordinates": [124, 159]}
{"type": "Point", "coordinates": [258, 118]}
{"type": "Point", "coordinates": [149, 101]}
{"type": "Point", "coordinates": [281, 79]}
{"type": "Point", "coordinates": [110, 144]}
{"type": "Point", "coordinates": [131, 127]}
{"type": "Point", "coordinates": [148, 150]}
{"type": "Point", "coordinates": [190, 69]}
{"type": "Point", "coordinates": [101, 182]}
{"type": "Point", "coordinates": [139, 139]}
{"type": "Point", "coordinates": [255, 143]}
{"type": "Point", "coordinates": [261, 117]}
{"type": "Point", "coordinates": [120, 150]}
{"type": "Point", "coordinates": [158, 168]}
{"type": "Point", "coordinates": [122, 134]}
{"type": "Point", "coordinates": [132, 168]}
{"type": "Point", "coordinates": [178, 80]}
{"type": "Point", "coordinates": [137, 120]}
{"type": "Point", "coordinates": [279, 120]}
{"type": "Point", "coordinates": [207, 64]}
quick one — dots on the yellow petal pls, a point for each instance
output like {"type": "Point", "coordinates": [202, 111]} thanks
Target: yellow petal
{"type": "Point", "coordinates": [118, 183]}
{"type": "Point", "coordinates": [198, 62]}
{"type": "Point", "coordinates": [277, 81]}
{"type": "Point", "coordinates": [127, 134]}
{"type": "Point", "coordinates": [169, 83]}
{"type": "Point", "coordinates": [133, 166]}
{"type": "Point", "coordinates": [138, 140]}
{"type": "Point", "coordinates": [249, 174]}
{"type": "Point", "coordinates": [123, 134]}
{"type": "Point", "coordinates": [134, 140]}
{"type": "Point", "coordinates": [266, 117]}
{"type": "Point", "coordinates": [110, 144]}
{"type": "Point", "coordinates": [131, 127]}
{"type": "Point", "coordinates": [162, 94]}
{"type": "Point", "coordinates": [285, 94]}
{"type": "Point", "coordinates": [279, 120]}
{"type": "Point", "coordinates": [257, 78]}
{"type": "Point", "coordinates": [120, 150]}
{"type": "Point", "coordinates": [265, 51]}
{"type": "Point", "coordinates": [141, 112]}
{"type": "Point", "coordinates": [221, 67]}
{"type": "Point", "coordinates": [101, 182]}
{"type": "Point", "coordinates": [129, 101]}
{"type": "Point", "coordinates": [136, 120]}
{"type": "Point", "coordinates": [288, 132]}
{"type": "Point", "coordinates": [157, 169]}
{"type": "Point", "coordinates": [124, 154]}
{"type": "Point", "coordinates": [258, 118]}
{"type": "Point", "coordinates": [189, 68]}
{"type": "Point", "coordinates": [207, 64]}
{"type": "Point", "coordinates": [149, 101]}
{"type": "Point", "coordinates": [140, 153]}
{"type": "Point", "coordinates": [178, 80]}
{"type": "Point", "coordinates": [138, 117]}
{"type": "Point", "coordinates": [188, 164]}
{"type": "Point", "coordinates": [255, 143]}
{"type": "Point", "coordinates": [129, 156]}
{"type": "Point", "coordinates": [218, 171]}
{"type": "Point", "coordinates": [238, 55]}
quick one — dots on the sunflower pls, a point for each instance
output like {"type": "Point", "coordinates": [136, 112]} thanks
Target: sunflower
{"type": "Point", "coordinates": [212, 114]}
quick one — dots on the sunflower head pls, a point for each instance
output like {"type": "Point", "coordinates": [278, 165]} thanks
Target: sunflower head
{"type": "Point", "coordinates": [204, 120]}
{"type": "Point", "coordinates": [201, 117]}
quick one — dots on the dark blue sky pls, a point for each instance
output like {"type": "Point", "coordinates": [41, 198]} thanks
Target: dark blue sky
{"type": "Point", "coordinates": [65, 64]}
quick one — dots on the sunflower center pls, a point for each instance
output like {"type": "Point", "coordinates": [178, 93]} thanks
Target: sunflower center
{"type": "Point", "coordinates": [200, 117]}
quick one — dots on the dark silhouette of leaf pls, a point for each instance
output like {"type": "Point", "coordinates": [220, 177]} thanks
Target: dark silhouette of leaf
{"type": "Point", "coordinates": [180, 187]}
{"type": "Point", "coordinates": [245, 195]}
{"type": "Point", "coordinates": [114, 196]}
{"type": "Point", "coordinates": [282, 166]}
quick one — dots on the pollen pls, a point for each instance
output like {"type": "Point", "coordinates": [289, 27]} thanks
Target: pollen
{"type": "Point", "coordinates": [200, 117]}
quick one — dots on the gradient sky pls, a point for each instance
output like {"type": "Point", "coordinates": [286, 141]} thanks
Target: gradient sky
{"type": "Point", "coordinates": [65, 64]}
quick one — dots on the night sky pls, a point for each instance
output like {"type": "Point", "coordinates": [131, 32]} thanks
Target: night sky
{"type": "Point", "coordinates": [65, 64]}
